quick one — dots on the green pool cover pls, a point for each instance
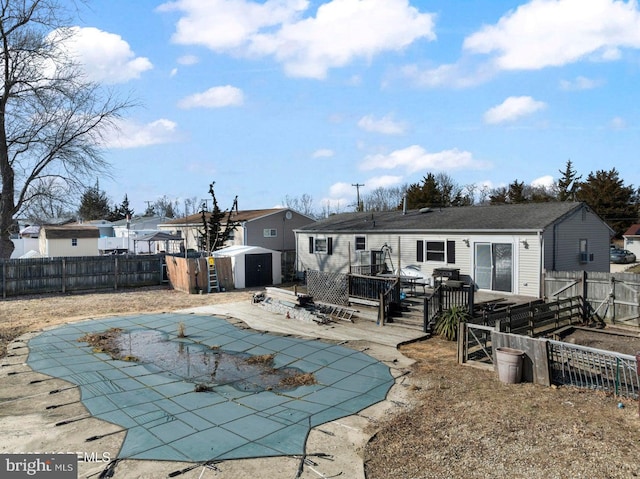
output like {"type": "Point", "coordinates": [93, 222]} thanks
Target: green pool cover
{"type": "Point", "coordinates": [166, 419]}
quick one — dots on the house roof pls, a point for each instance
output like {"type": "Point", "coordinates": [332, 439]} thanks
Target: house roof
{"type": "Point", "coordinates": [142, 222]}
{"type": "Point", "coordinates": [486, 218]}
{"type": "Point", "coordinates": [70, 231]}
{"type": "Point", "coordinates": [634, 230]}
{"type": "Point", "coordinates": [242, 215]}
{"type": "Point", "coordinates": [159, 236]}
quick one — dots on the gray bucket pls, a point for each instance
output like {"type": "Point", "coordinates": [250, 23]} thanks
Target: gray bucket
{"type": "Point", "coordinates": [509, 365]}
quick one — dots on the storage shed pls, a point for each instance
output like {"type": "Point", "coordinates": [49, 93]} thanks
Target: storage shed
{"type": "Point", "coordinates": [253, 266]}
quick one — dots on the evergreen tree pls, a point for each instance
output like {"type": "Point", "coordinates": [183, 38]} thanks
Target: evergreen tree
{"type": "Point", "coordinates": [94, 204]}
{"type": "Point", "coordinates": [217, 230]}
{"type": "Point", "coordinates": [498, 196]}
{"type": "Point", "coordinates": [435, 191]}
{"type": "Point", "coordinates": [121, 211]}
{"type": "Point", "coordinates": [568, 183]}
{"type": "Point", "coordinates": [614, 202]}
{"type": "Point", "coordinates": [516, 193]}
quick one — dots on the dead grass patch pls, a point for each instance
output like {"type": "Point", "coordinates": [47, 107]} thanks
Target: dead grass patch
{"type": "Point", "coordinates": [296, 380]}
{"type": "Point", "coordinates": [104, 342]}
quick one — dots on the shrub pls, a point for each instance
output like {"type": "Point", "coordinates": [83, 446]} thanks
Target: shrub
{"type": "Point", "coordinates": [447, 323]}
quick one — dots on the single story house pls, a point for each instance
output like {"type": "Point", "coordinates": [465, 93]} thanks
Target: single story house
{"type": "Point", "coordinates": [252, 266]}
{"type": "Point", "coordinates": [69, 240]}
{"type": "Point", "coordinates": [267, 228]}
{"type": "Point", "coordinates": [504, 248]}
{"type": "Point", "coordinates": [632, 239]}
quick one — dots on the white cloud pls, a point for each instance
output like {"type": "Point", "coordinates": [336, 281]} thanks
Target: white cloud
{"type": "Point", "coordinates": [215, 97]}
{"type": "Point", "coordinates": [512, 109]}
{"type": "Point", "coordinates": [546, 181]}
{"type": "Point", "coordinates": [385, 125]}
{"type": "Point", "coordinates": [340, 32]}
{"type": "Point", "coordinates": [188, 60]}
{"type": "Point", "coordinates": [544, 33]}
{"type": "Point", "coordinates": [106, 57]}
{"type": "Point", "coordinates": [129, 134]}
{"type": "Point", "coordinates": [618, 123]}
{"type": "Point", "coordinates": [341, 190]}
{"type": "Point", "coordinates": [385, 181]}
{"type": "Point", "coordinates": [415, 158]}
{"type": "Point", "coordinates": [456, 75]}
{"type": "Point", "coordinates": [323, 153]}
{"type": "Point", "coordinates": [580, 83]}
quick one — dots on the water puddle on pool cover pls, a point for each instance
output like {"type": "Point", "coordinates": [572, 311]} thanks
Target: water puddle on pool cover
{"type": "Point", "coordinates": [205, 366]}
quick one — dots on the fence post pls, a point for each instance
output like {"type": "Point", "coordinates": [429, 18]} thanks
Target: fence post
{"type": "Point", "coordinates": [462, 340]}
{"type": "Point", "coordinates": [115, 271]}
{"type": "Point", "coordinates": [64, 275]}
{"type": "Point", "coordinates": [381, 309]}
{"type": "Point", "coordinates": [425, 315]}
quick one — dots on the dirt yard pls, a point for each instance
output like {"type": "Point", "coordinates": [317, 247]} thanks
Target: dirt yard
{"type": "Point", "coordinates": [457, 422]}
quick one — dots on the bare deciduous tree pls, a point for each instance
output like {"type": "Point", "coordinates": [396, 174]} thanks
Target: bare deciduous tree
{"type": "Point", "coordinates": [52, 120]}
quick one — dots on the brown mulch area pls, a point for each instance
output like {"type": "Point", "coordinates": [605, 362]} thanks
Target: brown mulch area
{"type": "Point", "coordinates": [457, 422]}
{"type": "Point", "coordinates": [463, 422]}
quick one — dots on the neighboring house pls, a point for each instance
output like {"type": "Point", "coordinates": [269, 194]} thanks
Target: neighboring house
{"type": "Point", "coordinates": [632, 239]}
{"type": "Point", "coordinates": [127, 234]}
{"type": "Point", "coordinates": [69, 240]}
{"type": "Point", "coordinates": [105, 227]}
{"type": "Point", "coordinates": [268, 228]}
{"type": "Point", "coordinates": [499, 248]}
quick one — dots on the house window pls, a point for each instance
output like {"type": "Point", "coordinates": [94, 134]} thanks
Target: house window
{"type": "Point", "coordinates": [361, 243]}
{"type": "Point", "coordinates": [435, 250]}
{"type": "Point", "coordinates": [585, 256]}
{"type": "Point", "coordinates": [74, 241]}
{"type": "Point", "coordinates": [270, 232]}
{"type": "Point", "coordinates": [321, 245]}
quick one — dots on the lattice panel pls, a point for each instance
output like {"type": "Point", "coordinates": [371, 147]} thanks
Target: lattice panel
{"type": "Point", "coordinates": [328, 287]}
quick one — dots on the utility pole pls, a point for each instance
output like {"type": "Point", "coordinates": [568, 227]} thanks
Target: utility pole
{"type": "Point", "coordinates": [358, 185]}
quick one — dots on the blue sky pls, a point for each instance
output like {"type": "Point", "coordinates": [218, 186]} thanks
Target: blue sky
{"type": "Point", "coordinates": [281, 98]}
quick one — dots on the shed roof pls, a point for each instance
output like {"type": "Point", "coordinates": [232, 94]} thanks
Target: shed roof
{"type": "Point", "coordinates": [70, 231]}
{"type": "Point", "coordinates": [239, 250]}
{"type": "Point", "coordinates": [486, 218]}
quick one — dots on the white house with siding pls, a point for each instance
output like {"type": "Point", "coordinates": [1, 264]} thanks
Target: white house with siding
{"type": "Point", "coordinates": [504, 248]}
{"type": "Point", "coordinates": [632, 239]}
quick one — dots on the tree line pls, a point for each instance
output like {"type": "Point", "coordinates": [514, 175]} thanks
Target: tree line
{"type": "Point", "coordinates": [603, 190]}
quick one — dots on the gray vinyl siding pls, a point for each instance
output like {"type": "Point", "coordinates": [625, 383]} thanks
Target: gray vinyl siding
{"type": "Point", "coordinates": [562, 243]}
{"type": "Point", "coordinates": [284, 239]}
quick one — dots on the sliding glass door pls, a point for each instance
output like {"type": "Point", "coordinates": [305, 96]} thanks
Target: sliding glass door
{"type": "Point", "coordinates": [494, 266]}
